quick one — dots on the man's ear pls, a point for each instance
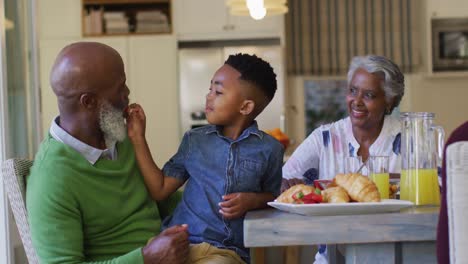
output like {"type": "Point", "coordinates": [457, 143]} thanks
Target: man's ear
{"type": "Point", "coordinates": [247, 107]}
{"type": "Point", "coordinates": [88, 101]}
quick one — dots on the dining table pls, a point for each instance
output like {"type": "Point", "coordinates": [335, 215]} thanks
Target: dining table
{"type": "Point", "coordinates": [406, 236]}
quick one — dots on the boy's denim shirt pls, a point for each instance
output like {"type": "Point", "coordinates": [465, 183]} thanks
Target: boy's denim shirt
{"type": "Point", "coordinates": [213, 166]}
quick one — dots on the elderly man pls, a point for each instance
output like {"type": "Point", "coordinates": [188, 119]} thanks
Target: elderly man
{"type": "Point", "coordinates": [86, 198]}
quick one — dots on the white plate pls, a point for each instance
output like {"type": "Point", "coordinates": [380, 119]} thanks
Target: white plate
{"type": "Point", "coordinates": [385, 206]}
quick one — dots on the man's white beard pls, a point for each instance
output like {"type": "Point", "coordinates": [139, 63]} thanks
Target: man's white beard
{"type": "Point", "coordinates": [112, 123]}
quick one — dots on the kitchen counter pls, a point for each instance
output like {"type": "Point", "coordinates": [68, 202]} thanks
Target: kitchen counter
{"type": "Point", "coordinates": [407, 236]}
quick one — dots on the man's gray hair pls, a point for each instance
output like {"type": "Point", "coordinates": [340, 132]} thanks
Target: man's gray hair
{"type": "Point", "coordinates": [392, 79]}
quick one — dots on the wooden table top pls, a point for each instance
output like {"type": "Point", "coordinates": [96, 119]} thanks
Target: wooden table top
{"type": "Point", "coordinates": [272, 227]}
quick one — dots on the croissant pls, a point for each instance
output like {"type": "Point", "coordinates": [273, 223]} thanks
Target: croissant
{"type": "Point", "coordinates": [335, 195]}
{"type": "Point", "coordinates": [359, 188]}
{"type": "Point", "coordinates": [287, 196]}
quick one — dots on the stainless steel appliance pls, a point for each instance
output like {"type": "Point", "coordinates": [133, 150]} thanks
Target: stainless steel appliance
{"type": "Point", "coordinates": [450, 44]}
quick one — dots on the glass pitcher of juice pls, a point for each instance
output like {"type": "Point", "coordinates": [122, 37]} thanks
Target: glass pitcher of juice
{"type": "Point", "coordinates": [422, 145]}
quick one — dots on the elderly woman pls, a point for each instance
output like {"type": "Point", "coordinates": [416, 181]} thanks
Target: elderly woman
{"type": "Point", "coordinates": [375, 88]}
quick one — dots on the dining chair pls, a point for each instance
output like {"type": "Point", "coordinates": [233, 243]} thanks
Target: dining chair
{"type": "Point", "coordinates": [14, 173]}
{"type": "Point", "coordinates": [457, 200]}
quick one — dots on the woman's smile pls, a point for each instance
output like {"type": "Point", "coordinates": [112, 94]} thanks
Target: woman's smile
{"type": "Point", "coordinates": [358, 113]}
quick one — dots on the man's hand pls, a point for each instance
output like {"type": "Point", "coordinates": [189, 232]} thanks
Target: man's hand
{"type": "Point", "coordinates": [171, 246]}
{"type": "Point", "coordinates": [286, 184]}
{"type": "Point", "coordinates": [136, 122]}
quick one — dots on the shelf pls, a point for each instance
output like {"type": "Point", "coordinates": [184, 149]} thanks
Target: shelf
{"type": "Point", "coordinates": [120, 2]}
{"type": "Point", "coordinates": [448, 74]}
{"type": "Point", "coordinates": [124, 34]}
{"type": "Point", "coordinates": [125, 17]}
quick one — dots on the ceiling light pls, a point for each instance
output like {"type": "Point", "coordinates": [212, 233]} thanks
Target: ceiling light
{"type": "Point", "coordinates": [241, 7]}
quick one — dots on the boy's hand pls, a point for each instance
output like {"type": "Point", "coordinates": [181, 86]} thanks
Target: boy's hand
{"type": "Point", "coordinates": [236, 205]}
{"type": "Point", "coordinates": [136, 122]}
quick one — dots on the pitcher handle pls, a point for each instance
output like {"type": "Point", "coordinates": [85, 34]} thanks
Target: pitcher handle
{"type": "Point", "coordinates": [440, 143]}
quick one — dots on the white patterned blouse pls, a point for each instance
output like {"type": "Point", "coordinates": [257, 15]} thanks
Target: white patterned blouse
{"type": "Point", "coordinates": [322, 154]}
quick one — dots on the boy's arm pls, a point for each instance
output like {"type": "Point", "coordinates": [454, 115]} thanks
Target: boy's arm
{"type": "Point", "coordinates": [158, 185]}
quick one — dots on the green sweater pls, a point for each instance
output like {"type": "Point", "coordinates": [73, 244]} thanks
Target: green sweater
{"type": "Point", "coordinates": [79, 212]}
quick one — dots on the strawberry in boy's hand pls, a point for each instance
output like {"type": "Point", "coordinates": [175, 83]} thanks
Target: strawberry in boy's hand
{"type": "Point", "coordinates": [136, 122]}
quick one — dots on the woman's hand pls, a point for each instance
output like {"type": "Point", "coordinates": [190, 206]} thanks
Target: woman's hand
{"type": "Point", "coordinates": [288, 183]}
{"type": "Point", "coordinates": [136, 122]}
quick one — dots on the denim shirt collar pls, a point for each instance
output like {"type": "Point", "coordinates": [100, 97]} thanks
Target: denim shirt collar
{"type": "Point", "coordinates": [90, 153]}
{"type": "Point", "coordinates": [250, 130]}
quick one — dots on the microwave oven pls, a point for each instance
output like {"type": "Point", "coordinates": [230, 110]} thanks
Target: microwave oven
{"type": "Point", "coordinates": [450, 44]}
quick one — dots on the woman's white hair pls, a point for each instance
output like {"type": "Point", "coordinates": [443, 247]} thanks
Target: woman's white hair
{"type": "Point", "coordinates": [393, 81]}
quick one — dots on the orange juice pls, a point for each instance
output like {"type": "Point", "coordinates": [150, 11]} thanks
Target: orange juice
{"type": "Point", "coordinates": [382, 182]}
{"type": "Point", "coordinates": [420, 186]}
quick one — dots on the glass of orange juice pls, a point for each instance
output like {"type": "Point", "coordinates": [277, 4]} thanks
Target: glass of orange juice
{"type": "Point", "coordinates": [379, 174]}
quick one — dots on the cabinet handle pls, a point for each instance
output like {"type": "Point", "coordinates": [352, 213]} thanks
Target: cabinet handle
{"type": "Point", "coordinates": [228, 27]}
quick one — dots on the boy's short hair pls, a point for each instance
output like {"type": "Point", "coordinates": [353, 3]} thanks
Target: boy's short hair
{"type": "Point", "coordinates": [256, 71]}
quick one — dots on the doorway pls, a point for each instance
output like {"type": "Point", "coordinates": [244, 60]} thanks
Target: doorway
{"type": "Point", "coordinates": [19, 105]}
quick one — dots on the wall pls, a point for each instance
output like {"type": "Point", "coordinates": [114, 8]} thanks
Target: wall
{"type": "Point", "coordinates": [446, 97]}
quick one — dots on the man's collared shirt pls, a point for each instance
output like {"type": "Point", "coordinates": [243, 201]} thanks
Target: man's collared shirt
{"type": "Point", "coordinates": [91, 153]}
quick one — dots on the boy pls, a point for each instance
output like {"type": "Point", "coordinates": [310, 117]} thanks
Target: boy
{"type": "Point", "coordinates": [230, 166]}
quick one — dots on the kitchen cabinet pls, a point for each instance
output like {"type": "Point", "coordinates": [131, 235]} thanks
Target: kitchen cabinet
{"type": "Point", "coordinates": [59, 19]}
{"type": "Point", "coordinates": [447, 8]}
{"type": "Point", "coordinates": [153, 82]}
{"type": "Point", "coordinates": [126, 17]}
{"type": "Point", "coordinates": [210, 20]}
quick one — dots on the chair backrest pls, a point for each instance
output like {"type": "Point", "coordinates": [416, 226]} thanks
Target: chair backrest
{"type": "Point", "coordinates": [14, 178]}
{"type": "Point", "coordinates": [457, 200]}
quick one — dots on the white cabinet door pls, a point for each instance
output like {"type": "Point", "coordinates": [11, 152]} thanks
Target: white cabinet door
{"type": "Point", "coordinates": [247, 27]}
{"type": "Point", "coordinates": [447, 8]}
{"type": "Point", "coordinates": [153, 71]}
{"type": "Point", "coordinates": [210, 20]}
{"type": "Point", "coordinates": [59, 19]}
{"type": "Point", "coordinates": [199, 19]}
